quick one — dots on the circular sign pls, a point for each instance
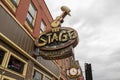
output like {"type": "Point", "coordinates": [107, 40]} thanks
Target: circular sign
{"type": "Point", "coordinates": [73, 71]}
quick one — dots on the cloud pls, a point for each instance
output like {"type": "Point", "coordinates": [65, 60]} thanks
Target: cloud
{"type": "Point", "coordinates": [98, 25]}
{"type": "Point", "coordinates": [107, 68]}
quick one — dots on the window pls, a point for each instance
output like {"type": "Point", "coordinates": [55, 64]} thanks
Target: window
{"type": "Point", "coordinates": [31, 16]}
{"type": "Point", "coordinates": [46, 78]}
{"type": "Point", "coordinates": [37, 75]}
{"type": "Point", "coordinates": [12, 63]}
{"type": "Point", "coordinates": [42, 27]}
{"type": "Point", "coordinates": [16, 65]}
{"type": "Point", "coordinates": [7, 78]}
{"type": "Point", "coordinates": [2, 54]}
{"type": "Point", "coordinates": [13, 4]}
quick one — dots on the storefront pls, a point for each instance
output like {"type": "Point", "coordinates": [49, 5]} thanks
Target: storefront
{"type": "Point", "coordinates": [16, 53]}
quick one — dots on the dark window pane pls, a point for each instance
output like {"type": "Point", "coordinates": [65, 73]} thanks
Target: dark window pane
{"type": "Point", "coordinates": [16, 65]}
{"type": "Point", "coordinates": [2, 54]}
{"type": "Point", "coordinates": [37, 75]}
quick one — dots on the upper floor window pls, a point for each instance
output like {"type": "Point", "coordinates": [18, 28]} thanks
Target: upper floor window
{"type": "Point", "coordinates": [42, 27]}
{"type": "Point", "coordinates": [31, 15]}
{"type": "Point", "coordinates": [13, 4]}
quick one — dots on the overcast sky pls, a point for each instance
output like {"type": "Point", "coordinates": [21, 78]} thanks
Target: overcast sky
{"type": "Point", "coordinates": [98, 25]}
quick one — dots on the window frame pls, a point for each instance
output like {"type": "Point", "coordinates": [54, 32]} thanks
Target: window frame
{"type": "Point", "coordinates": [43, 74]}
{"type": "Point", "coordinates": [35, 69]}
{"type": "Point", "coordinates": [47, 78]}
{"type": "Point", "coordinates": [14, 72]}
{"type": "Point", "coordinates": [14, 64]}
{"type": "Point", "coordinates": [41, 26]}
{"type": "Point", "coordinates": [29, 24]}
{"type": "Point", "coordinates": [37, 74]}
{"type": "Point", "coordinates": [12, 5]}
{"type": "Point", "coordinates": [4, 61]}
{"type": "Point", "coordinates": [3, 77]}
{"type": "Point", "coordinates": [15, 3]}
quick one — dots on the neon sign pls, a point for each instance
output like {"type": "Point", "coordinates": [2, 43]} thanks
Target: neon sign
{"type": "Point", "coordinates": [59, 41]}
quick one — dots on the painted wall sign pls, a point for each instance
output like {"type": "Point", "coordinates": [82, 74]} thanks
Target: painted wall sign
{"type": "Point", "coordinates": [60, 41]}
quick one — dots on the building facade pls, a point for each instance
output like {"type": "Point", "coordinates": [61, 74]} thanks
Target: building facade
{"type": "Point", "coordinates": [21, 23]}
{"type": "Point", "coordinates": [64, 64]}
